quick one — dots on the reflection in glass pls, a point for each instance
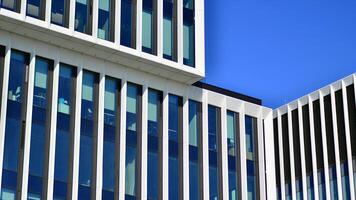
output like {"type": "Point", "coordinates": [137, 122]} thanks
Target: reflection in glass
{"type": "Point", "coordinates": [213, 131]}
{"type": "Point", "coordinates": [232, 154]}
{"type": "Point", "coordinates": [321, 184]}
{"type": "Point", "coordinates": [333, 182]}
{"type": "Point", "coordinates": [13, 131]}
{"type": "Point", "coordinates": [174, 130]}
{"type": "Point", "coordinates": [89, 90]}
{"type": "Point", "coordinates": [59, 12]}
{"type": "Point", "coordinates": [65, 108]}
{"type": "Point", "coordinates": [169, 29]}
{"type": "Point", "coordinates": [111, 106]}
{"type": "Point", "coordinates": [194, 131]}
{"type": "Point", "coordinates": [106, 19]}
{"type": "Point", "coordinates": [310, 187]}
{"type": "Point", "coordinates": [38, 130]}
{"type": "Point", "coordinates": [128, 22]}
{"type": "Point", "coordinates": [345, 181]}
{"type": "Point", "coordinates": [188, 33]}
{"type": "Point", "coordinates": [149, 26]}
{"type": "Point", "coordinates": [83, 15]}
{"type": "Point", "coordinates": [250, 126]}
{"type": "Point", "coordinates": [36, 8]}
{"type": "Point", "coordinates": [133, 113]}
{"type": "Point", "coordinates": [13, 5]}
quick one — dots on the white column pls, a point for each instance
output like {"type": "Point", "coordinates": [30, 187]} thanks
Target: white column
{"type": "Point", "coordinates": [144, 144]}
{"type": "Point", "coordinates": [159, 29]}
{"type": "Point", "coordinates": [313, 148]}
{"type": "Point", "coordinates": [99, 140]}
{"type": "Point", "coordinates": [71, 15]}
{"type": "Point", "coordinates": [27, 135]}
{"type": "Point", "coordinates": [199, 35]}
{"type": "Point", "coordinates": [261, 157]}
{"type": "Point", "coordinates": [302, 152]}
{"type": "Point", "coordinates": [291, 152]}
{"type": "Point", "coordinates": [185, 150]}
{"type": "Point", "coordinates": [122, 143]}
{"type": "Point", "coordinates": [336, 142]}
{"type": "Point", "coordinates": [139, 25]}
{"type": "Point", "coordinates": [165, 147]}
{"type": "Point", "coordinates": [95, 18]}
{"type": "Point", "coordinates": [77, 118]}
{"type": "Point", "coordinates": [325, 146]}
{"type": "Point", "coordinates": [281, 158]}
{"type": "Point", "coordinates": [348, 139]}
{"type": "Point", "coordinates": [180, 31]}
{"type": "Point", "coordinates": [48, 12]}
{"type": "Point", "coordinates": [205, 148]}
{"type": "Point", "coordinates": [243, 156]}
{"type": "Point", "coordinates": [117, 22]}
{"type": "Point", "coordinates": [53, 130]}
{"type": "Point", "coordinates": [5, 84]}
{"type": "Point", "coordinates": [224, 155]}
{"type": "Point", "coordinates": [23, 8]}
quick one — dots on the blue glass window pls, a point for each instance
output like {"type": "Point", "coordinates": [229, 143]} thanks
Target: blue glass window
{"type": "Point", "coordinates": [133, 124]}
{"type": "Point", "coordinates": [128, 22]}
{"type": "Point", "coordinates": [194, 135]}
{"type": "Point", "coordinates": [188, 33]}
{"type": "Point", "coordinates": [14, 116]}
{"type": "Point", "coordinates": [310, 187]}
{"type": "Point", "coordinates": [36, 8]}
{"type": "Point", "coordinates": [111, 128]}
{"type": "Point", "coordinates": [60, 12]}
{"type": "Point", "coordinates": [232, 157]}
{"type": "Point", "coordinates": [333, 182]}
{"type": "Point", "coordinates": [154, 132]}
{"type": "Point", "coordinates": [149, 26]}
{"type": "Point", "coordinates": [38, 131]}
{"type": "Point", "coordinates": [88, 112]}
{"type": "Point", "coordinates": [175, 128]}
{"type": "Point", "coordinates": [213, 134]}
{"type": "Point", "coordinates": [65, 109]}
{"type": "Point", "coordinates": [321, 184]}
{"type": "Point", "coordinates": [106, 19]}
{"type": "Point", "coordinates": [13, 5]}
{"type": "Point", "coordinates": [83, 16]}
{"type": "Point", "coordinates": [169, 30]}
{"type": "Point", "coordinates": [251, 132]}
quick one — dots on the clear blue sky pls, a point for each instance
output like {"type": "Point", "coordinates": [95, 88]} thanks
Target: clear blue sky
{"type": "Point", "coordinates": [279, 50]}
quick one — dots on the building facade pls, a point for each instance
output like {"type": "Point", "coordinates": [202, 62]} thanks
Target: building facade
{"type": "Point", "coordinates": [100, 100]}
{"type": "Point", "coordinates": [315, 144]}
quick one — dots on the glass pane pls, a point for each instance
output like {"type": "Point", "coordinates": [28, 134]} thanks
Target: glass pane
{"type": "Point", "coordinates": [13, 125]}
{"type": "Point", "coordinates": [193, 123]}
{"type": "Point", "coordinates": [128, 11]}
{"type": "Point", "coordinates": [59, 12]}
{"type": "Point", "coordinates": [188, 33]}
{"type": "Point", "coordinates": [110, 129]}
{"type": "Point", "coordinates": [83, 16]}
{"type": "Point", "coordinates": [35, 8]}
{"type": "Point", "coordinates": [90, 80]}
{"type": "Point", "coordinates": [67, 76]}
{"type": "Point", "coordinates": [105, 19]}
{"type": "Point", "coordinates": [213, 132]}
{"type": "Point", "coordinates": [232, 158]}
{"type": "Point", "coordinates": [169, 27]}
{"type": "Point", "coordinates": [10, 5]}
{"type": "Point", "coordinates": [38, 131]}
{"type": "Point", "coordinates": [250, 124]}
{"type": "Point", "coordinates": [148, 26]}
{"type": "Point", "coordinates": [175, 107]}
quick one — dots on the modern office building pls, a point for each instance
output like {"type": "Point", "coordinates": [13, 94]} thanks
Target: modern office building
{"type": "Point", "coordinates": [315, 144]}
{"type": "Point", "coordinates": [100, 99]}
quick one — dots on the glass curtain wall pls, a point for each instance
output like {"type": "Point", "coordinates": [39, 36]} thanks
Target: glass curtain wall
{"type": "Point", "coordinates": [87, 132]}
{"type": "Point", "coordinates": [154, 139]}
{"type": "Point", "coordinates": [36, 8]}
{"type": "Point", "coordinates": [214, 127]}
{"type": "Point", "coordinates": [65, 124]}
{"type": "Point", "coordinates": [195, 128]}
{"type": "Point", "coordinates": [83, 16]}
{"type": "Point", "coordinates": [149, 26]}
{"type": "Point", "coordinates": [133, 126]}
{"type": "Point", "coordinates": [170, 29]}
{"type": "Point", "coordinates": [111, 131]}
{"type": "Point", "coordinates": [106, 20]}
{"type": "Point", "coordinates": [14, 130]}
{"type": "Point", "coordinates": [251, 155]}
{"type": "Point", "coordinates": [60, 12]}
{"type": "Point", "coordinates": [232, 133]}
{"type": "Point", "coordinates": [40, 124]}
{"type": "Point", "coordinates": [188, 33]}
{"type": "Point", "coordinates": [175, 113]}
{"type": "Point", "coordinates": [128, 23]}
